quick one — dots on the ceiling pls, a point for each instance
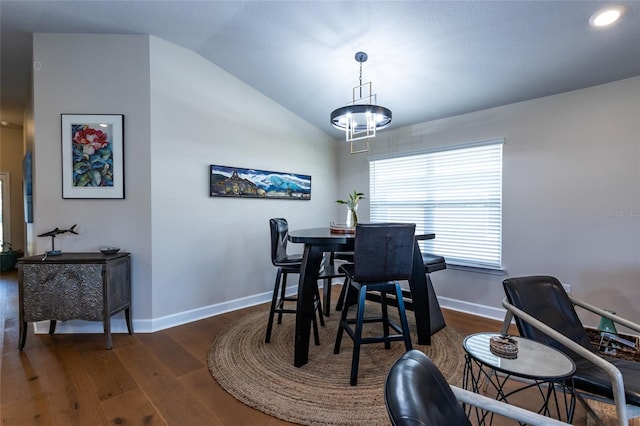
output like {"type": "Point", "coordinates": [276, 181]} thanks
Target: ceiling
{"type": "Point", "coordinates": [427, 59]}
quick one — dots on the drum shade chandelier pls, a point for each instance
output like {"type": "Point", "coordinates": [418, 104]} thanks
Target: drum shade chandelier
{"type": "Point", "coordinates": [362, 117]}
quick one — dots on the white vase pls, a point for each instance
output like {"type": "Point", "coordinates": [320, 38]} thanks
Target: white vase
{"type": "Point", "coordinates": [352, 216]}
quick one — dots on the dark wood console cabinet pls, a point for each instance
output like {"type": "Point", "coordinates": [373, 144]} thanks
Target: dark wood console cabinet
{"type": "Point", "coordinates": [85, 286]}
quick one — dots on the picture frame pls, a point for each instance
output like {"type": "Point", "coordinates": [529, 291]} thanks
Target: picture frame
{"type": "Point", "coordinates": [92, 156]}
{"type": "Point", "coordinates": [238, 182]}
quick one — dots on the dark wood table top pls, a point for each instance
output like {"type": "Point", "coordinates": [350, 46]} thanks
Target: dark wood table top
{"type": "Point", "coordinates": [325, 235]}
{"type": "Point", "coordinates": [318, 236]}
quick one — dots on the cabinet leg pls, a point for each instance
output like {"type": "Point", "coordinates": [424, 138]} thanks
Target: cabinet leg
{"type": "Point", "coordinates": [127, 315]}
{"type": "Point", "coordinates": [52, 327]}
{"type": "Point", "coordinates": [107, 331]}
{"type": "Point", "coordinates": [23, 335]}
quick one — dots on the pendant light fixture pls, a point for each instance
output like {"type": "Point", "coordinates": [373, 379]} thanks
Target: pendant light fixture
{"type": "Point", "coordinates": [362, 117]}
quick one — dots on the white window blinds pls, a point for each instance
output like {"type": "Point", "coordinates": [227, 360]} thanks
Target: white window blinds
{"type": "Point", "coordinates": [455, 192]}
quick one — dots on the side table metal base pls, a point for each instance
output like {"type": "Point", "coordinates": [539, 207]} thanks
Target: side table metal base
{"type": "Point", "coordinates": [477, 377]}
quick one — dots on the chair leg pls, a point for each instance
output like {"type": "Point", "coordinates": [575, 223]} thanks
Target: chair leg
{"type": "Point", "coordinates": [283, 294]}
{"type": "Point", "coordinates": [506, 323]}
{"type": "Point", "coordinates": [272, 310]}
{"type": "Point", "coordinates": [385, 318]}
{"type": "Point", "coordinates": [341, 324]}
{"type": "Point", "coordinates": [403, 319]}
{"type": "Point", "coordinates": [277, 304]}
{"type": "Point", "coordinates": [343, 293]}
{"type": "Point", "coordinates": [355, 359]}
{"type": "Point", "coordinates": [316, 334]}
{"type": "Point", "coordinates": [317, 305]}
{"type": "Point", "coordinates": [326, 290]}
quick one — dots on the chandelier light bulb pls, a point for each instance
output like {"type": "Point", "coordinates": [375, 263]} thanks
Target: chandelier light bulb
{"type": "Point", "coordinates": [606, 17]}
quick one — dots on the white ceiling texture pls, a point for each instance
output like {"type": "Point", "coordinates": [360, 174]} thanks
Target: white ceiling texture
{"type": "Point", "coordinates": [427, 59]}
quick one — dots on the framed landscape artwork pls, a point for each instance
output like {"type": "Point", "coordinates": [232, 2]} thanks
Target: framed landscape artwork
{"type": "Point", "coordinates": [92, 156]}
{"type": "Point", "coordinates": [225, 181]}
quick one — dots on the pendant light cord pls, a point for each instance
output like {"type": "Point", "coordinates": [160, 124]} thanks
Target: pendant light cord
{"type": "Point", "coordinates": [360, 80]}
{"type": "Point", "coordinates": [361, 57]}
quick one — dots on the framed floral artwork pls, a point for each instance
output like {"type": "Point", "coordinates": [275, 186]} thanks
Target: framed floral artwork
{"type": "Point", "coordinates": [92, 156]}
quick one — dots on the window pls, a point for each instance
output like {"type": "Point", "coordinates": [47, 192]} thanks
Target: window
{"type": "Point", "coordinates": [455, 192]}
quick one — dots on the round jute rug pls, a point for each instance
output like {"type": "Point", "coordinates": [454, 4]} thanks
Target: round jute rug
{"type": "Point", "coordinates": [262, 375]}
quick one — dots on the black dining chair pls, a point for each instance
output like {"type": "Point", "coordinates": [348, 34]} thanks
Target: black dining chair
{"type": "Point", "coordinates": [286, 264]}
{"type": "Point", "coordinates": [544, 312]}
{"type": "Point", "coordinates": [417, 394]}
{"type": "Point", "coordinates": [383, 255]}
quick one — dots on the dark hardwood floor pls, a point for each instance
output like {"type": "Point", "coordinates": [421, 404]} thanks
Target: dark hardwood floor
{"type": "Point", "coordinates": [146, 379]}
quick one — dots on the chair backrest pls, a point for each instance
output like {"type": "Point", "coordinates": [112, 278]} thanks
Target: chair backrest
{"type": "Point", "coordinates": [279, 238]}
{"type": "Point", "coordinates": [544, 298]}
{"type": "Point", "coordinates": [383, 251]}
{"type": "Point", "coordinates": [416, 393]}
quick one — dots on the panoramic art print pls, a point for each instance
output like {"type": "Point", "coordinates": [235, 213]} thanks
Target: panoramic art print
{"type": "Point", "coordinates": [92, 156]}
{"type": "Point", "coordinates": [225, 181]}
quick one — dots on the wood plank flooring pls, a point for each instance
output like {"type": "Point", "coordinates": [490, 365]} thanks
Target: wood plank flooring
{"type": "Point", "coordinates": [146, 379]}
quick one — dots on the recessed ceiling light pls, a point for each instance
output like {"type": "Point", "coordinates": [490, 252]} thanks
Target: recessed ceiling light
{"type": "Point", "coordinates": [606, 17]}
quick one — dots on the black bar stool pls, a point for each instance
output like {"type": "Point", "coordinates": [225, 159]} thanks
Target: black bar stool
{"type": "Point", "coordinates": [286, 264]}
{"type": "Point", "coordinates": [383, 254]}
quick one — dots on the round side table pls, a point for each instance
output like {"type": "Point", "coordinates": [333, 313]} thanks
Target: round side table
{"type": "Point", "coordinates": [536, 366]}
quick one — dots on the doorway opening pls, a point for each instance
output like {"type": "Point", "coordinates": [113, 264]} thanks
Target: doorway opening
{"type": "Point", "coordinates": [5, 209]}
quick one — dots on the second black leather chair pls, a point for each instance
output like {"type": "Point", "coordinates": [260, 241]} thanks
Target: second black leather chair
{"type": "Point", "coordinates": [383, 254]}
{"type": "Point", "coordinates": [541, 301]}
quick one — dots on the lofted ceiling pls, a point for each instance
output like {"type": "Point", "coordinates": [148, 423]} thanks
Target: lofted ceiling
{"type": "Point", "coordinates": [427, 59]}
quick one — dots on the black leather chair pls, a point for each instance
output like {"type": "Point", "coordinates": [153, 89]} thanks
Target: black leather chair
{"type": "Point", "coordinates": [286, 264]}
{"type": "Point", "coordinates": [416, 393]}
{"type": "Point", "coordinates": [545, 312]}
{"type": "Point", "coordinates": [383, 254]}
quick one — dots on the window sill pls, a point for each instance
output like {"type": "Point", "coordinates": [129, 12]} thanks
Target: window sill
{"type": "Point", "coordinates": [478, 269]}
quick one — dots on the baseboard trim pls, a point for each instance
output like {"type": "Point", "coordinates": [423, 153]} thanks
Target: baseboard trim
{"type": "Point", "coordinates": [489, 312]}
{"type": "Point", "coordinates": [119, 325]}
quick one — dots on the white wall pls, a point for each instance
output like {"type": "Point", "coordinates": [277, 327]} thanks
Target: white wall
{"type": "Point", "coordinates": [192, 255]}
{"type": "Point", "coordinates": [571, 179]}
{"type": "Point", "coordinates": [95, 74]}
{"type": "Point", "coordinates": [571, 193]}
{"type": "Point", "coordinates": [210, 252]}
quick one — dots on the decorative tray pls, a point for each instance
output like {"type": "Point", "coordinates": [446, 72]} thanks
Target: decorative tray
{"type": "Point", "coordinates": [504, 346]}
{"type": "Point", "coordinates": [341, 228]}
{"type": "Point", "coordinates": [109, 250]}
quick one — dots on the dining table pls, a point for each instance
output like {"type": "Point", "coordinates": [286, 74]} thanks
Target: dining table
{"type": "Point", "coordinates": [318, 241]}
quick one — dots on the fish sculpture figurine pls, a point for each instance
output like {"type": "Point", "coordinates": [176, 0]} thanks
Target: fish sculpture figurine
{"type": "Point", "coordinates": [53, 233]}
